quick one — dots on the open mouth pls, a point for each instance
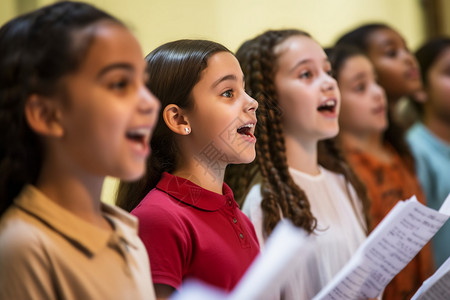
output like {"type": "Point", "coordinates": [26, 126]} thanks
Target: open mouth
{"type": "Point", "coordinates": [247, 130]}
{"type": "Point", "coordinates": [140, 137]}
{"type": "Point", "coordinates": [379, 110]}
{"type": "Point", "coordinates": [328, 106]}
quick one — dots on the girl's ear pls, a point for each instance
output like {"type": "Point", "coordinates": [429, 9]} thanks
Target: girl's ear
{"type": "Point", "coordinates": [43, 116]}
{"type": "Point", "coordinates": [176, 119]}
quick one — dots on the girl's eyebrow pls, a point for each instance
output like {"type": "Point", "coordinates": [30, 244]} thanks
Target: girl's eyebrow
{"type": "Point", "coordinates": [305, 61]}
{"type": "Point", "coordinates": [388, 42]}
{"type": "Point", "coordinates": [299, 63]}
{"type": "Point", "coordinates": [108, 68]}
{"type": "Point", "coordinates": [224, 78]}
{"type": "Point", "coordinates": [358, 76]}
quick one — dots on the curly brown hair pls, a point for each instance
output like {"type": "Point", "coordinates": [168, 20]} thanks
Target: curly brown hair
{"type": "Point", "coordinates": [281, 196]}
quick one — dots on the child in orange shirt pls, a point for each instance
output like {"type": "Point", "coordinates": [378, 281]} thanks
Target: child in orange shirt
{"type": "Point", "coordinates": [388, 177]}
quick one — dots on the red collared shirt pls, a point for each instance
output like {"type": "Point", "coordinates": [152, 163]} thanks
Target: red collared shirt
{"type": "Point", "coordinates": [190, 232]}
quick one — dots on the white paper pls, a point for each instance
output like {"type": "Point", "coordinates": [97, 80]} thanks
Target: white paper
{"type": "Point", "coordinates": [388, 249]}
{"type": "Point", "coordinates": [268, 272]}
{"type": "Point", "coordinates": [197, 290]}
{"type": "Point", "coordinates": [437, 286]}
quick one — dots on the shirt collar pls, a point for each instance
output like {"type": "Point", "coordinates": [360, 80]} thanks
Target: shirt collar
{"type": "Point", "coordinates": [76, 230]}
{"type": "Point", "coordinates": [193, 195]}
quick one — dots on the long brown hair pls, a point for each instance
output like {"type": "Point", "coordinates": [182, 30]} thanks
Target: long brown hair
{"type": "Point", "coordinates": [278, 189]}
{"type": "Point", "coordinates": [174, 69]}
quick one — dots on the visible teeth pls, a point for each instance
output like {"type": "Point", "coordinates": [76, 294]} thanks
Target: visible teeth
{"type": "Point", "coordinates": [329, 103]}
{"type": "Point", "coordinates": [246, 125]}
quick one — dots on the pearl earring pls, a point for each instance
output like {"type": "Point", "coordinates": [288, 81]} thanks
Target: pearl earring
{"type": "Point", "coordinates": [187, 130]}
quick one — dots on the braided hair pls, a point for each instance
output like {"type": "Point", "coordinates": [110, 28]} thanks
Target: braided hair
{"type": "Point", "coordinates": [280, 195]}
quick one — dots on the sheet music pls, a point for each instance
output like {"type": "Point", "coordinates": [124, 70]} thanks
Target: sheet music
{"type": "Point", "coordinates": [437, 286]}
{"type": "Point", "coordinates": [389, 248]}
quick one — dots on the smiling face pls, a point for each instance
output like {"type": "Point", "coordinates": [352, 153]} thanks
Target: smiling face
{"type": "Point", "coordinates": [223, 118]}
{"type": "Point", "coordinates": [307, 94]}
{"type": "Point", "coordinates": [109, 115]}
{"type": "Point", "coordinates": [363, 109]}
{"type": "Point", "coordinates": [438, 89]}
{"type": "Point", "coordinates": [396, 66]}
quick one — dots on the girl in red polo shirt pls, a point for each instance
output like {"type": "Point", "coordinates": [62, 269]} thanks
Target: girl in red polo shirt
{"type": "Point", "coordinates": [189, 220]}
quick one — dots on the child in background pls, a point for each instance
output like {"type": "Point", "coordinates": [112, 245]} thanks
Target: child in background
{"type": "Point", "coordinates": [73, 109]}
{"type": "Point", "coordinates": [189, 221]}
{"type": "Point", "coordinates": [396, 67]}
{"type": "Point", "coordinates": [296, 176]}
{"type": "Point", "coordinates": [429, 138]}
{"type": "Point", "coordinates": [363, 121]}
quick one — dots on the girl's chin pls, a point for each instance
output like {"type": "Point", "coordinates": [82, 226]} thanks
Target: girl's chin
{"type": "Point", "coordinates": [245, 158]}
{"type": "Point", "coordinates": [132, 175]}
{"type": "Point", "coordinates": [330, 134]}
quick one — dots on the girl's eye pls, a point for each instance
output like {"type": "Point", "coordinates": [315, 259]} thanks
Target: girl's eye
{"type": "Point", "coordinates": [360, 87]}
{"type": "Point", "coordinates": [391, 53]}
{"type": "Point", "coordinates": [228, 94]}
{"type": "Point", "coordinates": [305, 75]}
{"type": "Point", "coordinates": [119, 85]}
{"type": "Point", "coordinates": [330, 73]}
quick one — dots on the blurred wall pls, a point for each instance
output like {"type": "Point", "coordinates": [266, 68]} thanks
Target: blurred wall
{"type": "Point", "coordinates": [231, 22]}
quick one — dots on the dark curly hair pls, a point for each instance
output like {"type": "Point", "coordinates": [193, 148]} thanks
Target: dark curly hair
{"type": "Point", "coordinates": [36, 50]}
{"type": "Point", "coordinates": [278, 189]}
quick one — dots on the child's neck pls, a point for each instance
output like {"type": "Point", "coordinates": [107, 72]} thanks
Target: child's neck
{"type": "Point", "coordinates": [77, 193]}
{"type": "Point", "coordinates": [301, 155]}
{"type": "Point", "coordinates": [208, 177]}
{"type": "Point", "coordinates": [438, 127]}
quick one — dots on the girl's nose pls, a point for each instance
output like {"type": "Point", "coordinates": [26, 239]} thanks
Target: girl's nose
{"type": "Point", "coordinates": [148, 102]}
{"type": "Point", "coordinates": [252, 103]}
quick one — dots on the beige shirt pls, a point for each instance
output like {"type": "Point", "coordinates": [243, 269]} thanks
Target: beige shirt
{"type": "Point", "coordinates": [46, 252]}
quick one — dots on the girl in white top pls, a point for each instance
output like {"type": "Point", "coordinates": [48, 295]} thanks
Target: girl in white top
{"type": "Point", "coordinates": [73, 109]}
{"type": "Point", "coordinates": [299, 174]}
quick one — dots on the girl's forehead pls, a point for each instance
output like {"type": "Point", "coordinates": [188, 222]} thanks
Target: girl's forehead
{"type": "Point", "coordinates": [294, 42]}
{"type": "Point", "coordinates": [298, 49]}
{"type": "Point", "coordinates": [384, 36]}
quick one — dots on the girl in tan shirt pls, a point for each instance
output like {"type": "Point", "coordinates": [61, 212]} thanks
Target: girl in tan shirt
{"type": "Point", "coordinates": [73, 109]}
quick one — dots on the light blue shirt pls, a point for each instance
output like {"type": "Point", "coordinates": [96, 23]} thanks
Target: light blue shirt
{"type": "Point", "coordinates": [432, 157]}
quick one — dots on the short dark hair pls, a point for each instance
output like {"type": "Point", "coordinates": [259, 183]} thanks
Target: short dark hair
{"type": "Point", "coordinates": [429, 52]}
{"type": "Point", "coordinates": [359, 37]}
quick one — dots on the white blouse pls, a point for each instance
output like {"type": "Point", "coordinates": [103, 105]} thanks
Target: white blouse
{"type": "Point", "coordinates": [339, 232]}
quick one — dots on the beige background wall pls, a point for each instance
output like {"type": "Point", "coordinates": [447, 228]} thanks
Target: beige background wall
{"type": "Point", "coordinates": [230, 22]}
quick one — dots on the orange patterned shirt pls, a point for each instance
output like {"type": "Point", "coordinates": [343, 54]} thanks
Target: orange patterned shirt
{"type": "Point", "coordinates": [387, 183]}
